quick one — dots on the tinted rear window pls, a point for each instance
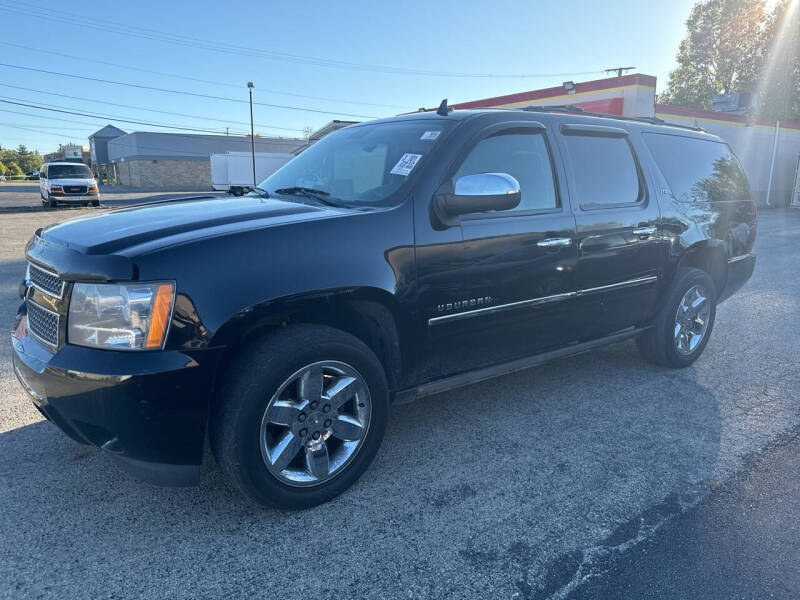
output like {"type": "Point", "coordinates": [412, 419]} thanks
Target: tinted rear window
{"type": "Point", "coordinates": [59, 171]}
{"type": "Point", "coordinates": [698, 170]}
{"type": "Point", "coordinates": [604, 170]}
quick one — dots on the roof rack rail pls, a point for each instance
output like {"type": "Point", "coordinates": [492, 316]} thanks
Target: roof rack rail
{"type": "Point", "coordinates": [571, 108]}
{"type": "Point", "coordinates": [551, 107]}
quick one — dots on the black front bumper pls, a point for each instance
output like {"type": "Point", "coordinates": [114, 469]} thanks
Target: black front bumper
{"type": "Point", "coordinates": [148, 410]}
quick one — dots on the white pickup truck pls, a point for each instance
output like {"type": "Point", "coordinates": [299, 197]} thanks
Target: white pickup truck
{"type": "Point", "coordinates": [233, 171]}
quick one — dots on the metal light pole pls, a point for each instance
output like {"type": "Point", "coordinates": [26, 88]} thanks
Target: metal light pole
{"type": "Point", "coordinates": [252, 136]}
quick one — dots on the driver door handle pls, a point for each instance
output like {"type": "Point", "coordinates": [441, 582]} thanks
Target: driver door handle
{"type": "Point", "coordinates": [644, 232]}
{"type": "Point", "coordinates": [554, 243]}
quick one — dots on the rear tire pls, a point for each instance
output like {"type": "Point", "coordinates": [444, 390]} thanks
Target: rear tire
{"type": "Point", "coordinates": [679, 336]}
{"type": "Point", "coordinates": [268, 410]}
{"type": "Point", "coordinates": [95, 202]}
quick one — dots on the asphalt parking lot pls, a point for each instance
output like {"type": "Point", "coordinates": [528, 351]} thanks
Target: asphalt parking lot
{"type": "Point", "coordinates": [521, 487]}
{"type": "Point", "coordinates": [25, 195]}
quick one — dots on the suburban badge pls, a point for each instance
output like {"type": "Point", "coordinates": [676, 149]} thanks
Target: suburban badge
{"type": "Point", "coordinates": [464, 304]}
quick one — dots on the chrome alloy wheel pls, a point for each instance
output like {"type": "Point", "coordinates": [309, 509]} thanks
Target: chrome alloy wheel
{"type": "Point", "coordinates": [691, 320]}
{"type": "Point", "coordinates": [315, 423]}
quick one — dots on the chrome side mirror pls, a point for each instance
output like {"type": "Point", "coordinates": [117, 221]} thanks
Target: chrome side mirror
{"type": "Point", "coordinates": [481, 192]}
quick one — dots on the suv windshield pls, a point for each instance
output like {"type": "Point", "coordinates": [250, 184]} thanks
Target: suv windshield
{"type": "Point", "coordinates": [359, 165]}
{"type": "Point", "coordinates": [59, 171]}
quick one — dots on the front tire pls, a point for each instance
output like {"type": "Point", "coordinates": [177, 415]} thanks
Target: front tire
{"type": "Point", "coordinates": [300, 415]}
{"type": "Point", "coordinates": [46, 202]}
{"type": "Point", "coordinates": [683, 326]}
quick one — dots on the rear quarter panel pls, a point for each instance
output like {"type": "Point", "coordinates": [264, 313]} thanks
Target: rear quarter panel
{"type": "Point", "coordinates": [721, 225]}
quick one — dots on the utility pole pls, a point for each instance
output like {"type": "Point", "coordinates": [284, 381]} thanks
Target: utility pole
{"type": "Point", "coordinates": [252, 135]}
{"type": "Point", "coordinates": [619, 70]}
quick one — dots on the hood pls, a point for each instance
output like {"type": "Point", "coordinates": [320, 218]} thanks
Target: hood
{"type": "Point", "coordinates": [171, 222]}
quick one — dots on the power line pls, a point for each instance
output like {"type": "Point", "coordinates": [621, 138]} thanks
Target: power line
{"type": "Point", "coordinates": [49, 118]}
{"type": "Point", "coordinates": [291, 143]}
{"type": "Point", "coordinates": [110, 117]}
{"type": "Point", "coordinates": [199, 80]}
{"type": "Point", "coordinates": [137, 146]}
{"type": "Point", "coordinates": [69, 136]}
{"type": "Point", "coordinates": [165, 112]}
{"type": "Point", "coordinates": [188, 41]}
{"type": "Point", "coordinates": [182, 92]}
{"type": "Point", "coordinates": [78, 129]}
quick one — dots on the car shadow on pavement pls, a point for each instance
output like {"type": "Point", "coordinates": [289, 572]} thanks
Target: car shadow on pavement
{"type": "Point", "coordinates": [491, 485]}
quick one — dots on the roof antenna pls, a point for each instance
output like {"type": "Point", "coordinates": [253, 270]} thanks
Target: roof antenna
{"type": "Point", "coordinates": [444, 110]}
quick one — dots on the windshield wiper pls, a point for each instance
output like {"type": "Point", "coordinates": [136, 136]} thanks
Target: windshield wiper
{"type": "Point", "coordinates": [314, 194]}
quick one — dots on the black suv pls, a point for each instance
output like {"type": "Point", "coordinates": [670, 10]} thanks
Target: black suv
{"type": "Point", "coordinates": [391, 260]}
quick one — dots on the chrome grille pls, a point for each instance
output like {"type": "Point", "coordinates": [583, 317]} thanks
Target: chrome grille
{"type": "Point", "coordinates": [74, 189]}
{"type": "Point", "coordinates": [43, 323]}
{"type": "Point", "coordinates": [46, 281]}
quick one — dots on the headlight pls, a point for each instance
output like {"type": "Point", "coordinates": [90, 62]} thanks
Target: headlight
{"type": "Point", "coordinates": [133, 316]}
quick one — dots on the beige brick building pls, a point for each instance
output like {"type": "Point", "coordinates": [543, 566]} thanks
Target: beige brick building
{"type": "Point", "coordinates": [181, 161]}
{"type": "Point", "coordinates": [157, 173]}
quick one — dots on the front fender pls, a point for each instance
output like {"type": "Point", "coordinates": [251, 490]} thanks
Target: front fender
{"type": "Point", "coordinates": [249, 275]}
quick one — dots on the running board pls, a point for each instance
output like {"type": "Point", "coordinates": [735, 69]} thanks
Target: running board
{"type": "Point", "coordinates": [520, 364]}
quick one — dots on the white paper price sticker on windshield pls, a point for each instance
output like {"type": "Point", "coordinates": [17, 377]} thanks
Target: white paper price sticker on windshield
{"type": "Point", "coordinates": [430, 135]}
{"type": "Point", "coordinates": [406, 164]}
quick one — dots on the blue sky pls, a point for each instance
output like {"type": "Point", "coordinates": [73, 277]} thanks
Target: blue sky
{"type": "Point", "coordinates": [562, 40]}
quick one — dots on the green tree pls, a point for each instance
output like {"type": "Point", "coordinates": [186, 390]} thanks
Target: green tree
{"type": "Point", "coordinates": [13, 168]}
{"type": "Point", "coordinates": [780, 85]}
{"type": "Point", "coordinates": [721, 53]}
{"type": "Point", "coordinates": [3, 168]}
{"type": "Point", "coordinates": [736, 46]}
{"type": "Point", "coordinates": [27, 160]}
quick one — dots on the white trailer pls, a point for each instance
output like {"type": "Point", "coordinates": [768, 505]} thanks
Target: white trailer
{"type": "Point", "coordinates": [233, 171]}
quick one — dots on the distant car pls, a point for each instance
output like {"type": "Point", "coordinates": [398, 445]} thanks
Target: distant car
{"type": "Point", "coordinates": [32, 176]}
{"type": "Point", "coordinates": [2, 177]}
{"type": "Point", "coordinates": [67, 183]}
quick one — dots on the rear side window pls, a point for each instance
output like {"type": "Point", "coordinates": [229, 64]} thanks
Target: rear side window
{"type": "Point", "coordinates": [521, 154]}
{"type": "Point", "coordinates": [604, 170]}
{"type": "Point", "coordinates": [698, 170]}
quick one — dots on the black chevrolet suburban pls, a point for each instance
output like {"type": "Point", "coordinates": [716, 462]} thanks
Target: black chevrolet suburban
{"type": "Point", "coordinates": [389, 261]}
